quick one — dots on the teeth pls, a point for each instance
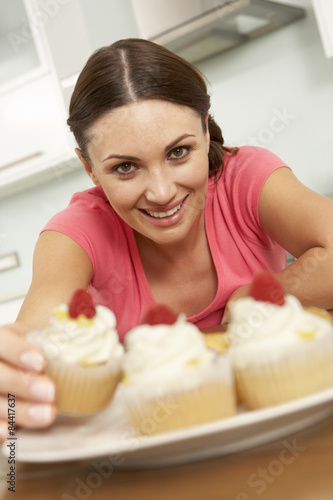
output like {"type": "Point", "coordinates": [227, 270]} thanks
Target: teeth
{"type": "Point", "coordinates": [160, 215]}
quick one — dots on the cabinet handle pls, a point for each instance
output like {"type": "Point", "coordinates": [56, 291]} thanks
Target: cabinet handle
{"type": "Point", "coordinates": [20, 160]}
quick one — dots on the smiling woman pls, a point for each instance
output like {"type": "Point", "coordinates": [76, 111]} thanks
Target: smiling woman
{"type": "Point", "coordinates": [175, 216]}
{"type": "Point", "coordinates": [162, 178]}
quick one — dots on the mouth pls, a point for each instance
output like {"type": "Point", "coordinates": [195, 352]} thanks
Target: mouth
{"type": "Point", "coordinates": [163, 215]}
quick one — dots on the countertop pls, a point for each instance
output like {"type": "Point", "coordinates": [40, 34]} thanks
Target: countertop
{"type": "Point", "coordinates": [266, 472]}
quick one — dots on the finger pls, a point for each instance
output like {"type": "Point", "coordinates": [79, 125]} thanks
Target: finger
{"type": "Point", "coordinates": [19, 327]}
{"type": "Point", "coordinates": [16, 349]}
{"type": "Point", "coordinates": [26, 385]}
{"type": "Point", "coordinates": [26, 414]}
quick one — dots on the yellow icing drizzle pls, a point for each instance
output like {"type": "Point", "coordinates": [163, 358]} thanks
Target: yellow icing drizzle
{"type": "Point", "coordinates": [307, 334]}
{"type": "Point", "coordinates": [86, 362]}
{"type": "Point", "coordinates": [192, 362]}
{"type": "Point", "coordinates": [61, 315]}
{"type": "Point", "coordinates": [83, 321]}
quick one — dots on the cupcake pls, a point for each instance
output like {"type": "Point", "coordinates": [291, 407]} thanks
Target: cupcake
{"type": "Point", "coordinates": [217, 341]}
{"type": "Point", "coordinates": [171, 378]}
{"type": "Point", "coordinates": [279, 350]}
{"type": "Point", "coordinates": [83, 355]}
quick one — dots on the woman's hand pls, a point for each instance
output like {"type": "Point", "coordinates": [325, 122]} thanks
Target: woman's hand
{"type": "Point", "coordinates": [61, 261]}
{"type": "Point", "coordinates": [22, 376]}
{"type": "Point", "coordinates": [242, 291]}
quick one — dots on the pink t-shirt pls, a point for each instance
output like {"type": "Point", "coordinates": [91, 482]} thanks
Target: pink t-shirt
{"type": "Point", "coordinates": [238, 245]}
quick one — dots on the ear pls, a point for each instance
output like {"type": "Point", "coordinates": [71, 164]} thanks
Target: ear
{"type": "Point", "coordinates": [88, 168]}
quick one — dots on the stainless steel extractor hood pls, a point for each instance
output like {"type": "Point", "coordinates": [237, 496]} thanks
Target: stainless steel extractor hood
{"type": "Point", "coordinates": [216, 25]}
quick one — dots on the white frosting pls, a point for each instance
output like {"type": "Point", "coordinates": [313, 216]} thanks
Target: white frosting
{"type": "Point", "coordinates": [262, 330]}
{"type": "Point", "coordinates": [79, 340]}
{"type": "Point", "coordinates": [164, 354]}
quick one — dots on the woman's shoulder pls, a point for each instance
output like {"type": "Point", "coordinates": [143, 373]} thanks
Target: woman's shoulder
{"type": "Point", "coordinates": [88, 211]}
{"type": "Point", "coordinates": [90, 198]}
{"type": "Point", "coordinates": [244, 175]}
{"type": "Point", "coordinates": [247, 156]}
{"type": "Point", "coordinates": [92, 223]}
{"type": "Point", "coordinates": [87, 205]}
{"type": "Point", "coordinates": [248, 165]}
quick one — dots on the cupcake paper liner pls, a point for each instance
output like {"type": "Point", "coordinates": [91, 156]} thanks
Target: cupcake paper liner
{"type": "Point", "coordinates": [83, 390]}
{"type": "Point", "coordinates": [273, 378]}
{"type": "Point", "coordinates": [160, 409]}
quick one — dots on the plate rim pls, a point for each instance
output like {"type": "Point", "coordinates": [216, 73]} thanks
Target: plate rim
{"type": "Point", "coordinates": [133, 443]}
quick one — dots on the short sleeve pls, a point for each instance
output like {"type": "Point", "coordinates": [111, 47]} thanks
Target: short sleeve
{"type": "Point", "coordinates": [91, 223]}
{"type": "Point", "coordinates": [243, 180]}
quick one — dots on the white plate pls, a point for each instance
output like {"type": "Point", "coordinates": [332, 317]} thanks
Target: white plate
{"type": "Point", "coordinates": [108, 435]}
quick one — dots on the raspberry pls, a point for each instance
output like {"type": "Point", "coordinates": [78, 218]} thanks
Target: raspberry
{"type": "Point", "coordinates": [81, 303]}
{"type": "Point", "coordinates": [159, 314]}
{"type": "Point", "coordinates": [265, 287]}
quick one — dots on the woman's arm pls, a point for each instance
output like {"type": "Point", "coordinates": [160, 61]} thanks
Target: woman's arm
{"type": "Point", "coordinates": [60, 266]}
{"type": "Point", "coordinates": [301, 221]}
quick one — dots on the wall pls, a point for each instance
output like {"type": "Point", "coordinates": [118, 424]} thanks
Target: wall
{"type": "Point", "coordinates": [276, 91]}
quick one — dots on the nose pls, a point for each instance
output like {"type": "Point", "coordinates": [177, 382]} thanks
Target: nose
{"type": "Point", "coordinates": [161, 187]}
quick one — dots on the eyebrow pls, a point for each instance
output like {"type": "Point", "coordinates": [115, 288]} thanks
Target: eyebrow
{"type": "Point", "coordinates": [134, 158]}
{"type": "Point", "coordinates": [120, 157]}
{"type": "Point", "coordinates": [173, 143]}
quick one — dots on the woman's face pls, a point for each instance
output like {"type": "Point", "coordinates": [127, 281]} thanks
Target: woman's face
{"type": "Point", "coordinates": [151, 159]}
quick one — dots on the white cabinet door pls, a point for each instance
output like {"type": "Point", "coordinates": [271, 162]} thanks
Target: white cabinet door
{"type": "Point", "coordinates": [42, 44]}
{"type": "Point", "coordinates": [68, 42]}
{"type": "Point", "coordinates": [22, 56]}
{"type": "Point", "coordinates": [33, 131]}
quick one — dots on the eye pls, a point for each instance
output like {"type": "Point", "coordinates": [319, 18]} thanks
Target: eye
{"type": "Point", "coordinates": [179, 152]}
{"type": "Point", "coordinates": [124, 169]}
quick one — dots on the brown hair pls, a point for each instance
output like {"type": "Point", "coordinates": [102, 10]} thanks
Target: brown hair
{"type": "Point", "coordinates": [132, 70]}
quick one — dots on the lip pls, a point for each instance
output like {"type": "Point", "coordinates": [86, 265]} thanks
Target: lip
{"type": "Point", "coordinates": [166, 208]}
{"type": "Point", "coordinates": [167, 221]}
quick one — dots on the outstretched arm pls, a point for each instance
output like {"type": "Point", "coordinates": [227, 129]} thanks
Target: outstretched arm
{"type": "Point", "coordinates": [60, 266]}
{"type": "Point", "coordinates": [301, 221]}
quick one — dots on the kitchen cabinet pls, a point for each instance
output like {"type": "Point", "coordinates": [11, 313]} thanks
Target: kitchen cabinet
{"type": "Point", "coordinates": [43, 46]}
{"type": "Point", "coordinates": [198, 29]}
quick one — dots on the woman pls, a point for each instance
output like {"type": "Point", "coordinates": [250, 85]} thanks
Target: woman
{"type": "Point", "coordinates": [175, 217]}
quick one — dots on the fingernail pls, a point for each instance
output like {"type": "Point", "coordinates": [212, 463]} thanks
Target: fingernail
{"type": "Point", "coordinates": [40, 413]}
{"type": "Point", "coordinates": [32, 360]}
{"type": "Point", "coordinates": [43, 390]}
